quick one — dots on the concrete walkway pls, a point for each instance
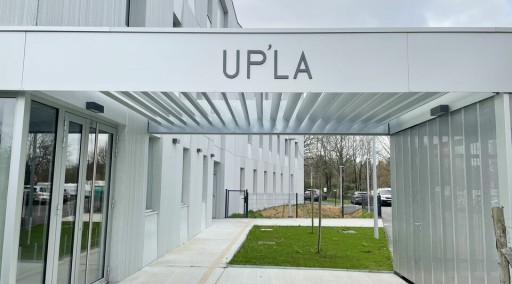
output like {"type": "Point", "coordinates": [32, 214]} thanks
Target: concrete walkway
{"type": "Point", "coordinates": [204, 259]}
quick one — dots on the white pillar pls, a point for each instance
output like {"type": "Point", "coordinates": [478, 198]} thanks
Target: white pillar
{"type": "Point", "coordinates": [290, 177]}
{"type": "Point", "coordinates": [375, 207]}
{"type": "Point", "coordinates": [367, 185]}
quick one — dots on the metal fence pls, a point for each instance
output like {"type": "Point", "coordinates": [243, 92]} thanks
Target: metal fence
{"type": "Point", "coordinates": [240, 202]}
{"type": "Point", "coordinates": [236, 204]}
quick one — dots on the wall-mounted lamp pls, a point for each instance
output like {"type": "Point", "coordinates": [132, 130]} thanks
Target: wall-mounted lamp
{"type": "Point", "coordinates": [212, 155]}
{"type": "Point", "coordinates": [175, 141]}
{"type": "Point", "coordinates": [439, 110]}
{"type": "Point", "coordinates": [199, 150]}
{"type": "Point", "coordinates": [94, 107]}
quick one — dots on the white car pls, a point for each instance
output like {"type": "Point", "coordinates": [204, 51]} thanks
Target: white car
{"type": "Point", "coordinates": [385, 196]}
{"type": "Point", "coordinates": [40, 195]}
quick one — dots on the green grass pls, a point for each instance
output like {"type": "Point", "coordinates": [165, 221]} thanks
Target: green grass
{"type": "Point", "coordinates": [365, 214]}
{"type": "Point", "coordinates": [297, 247]}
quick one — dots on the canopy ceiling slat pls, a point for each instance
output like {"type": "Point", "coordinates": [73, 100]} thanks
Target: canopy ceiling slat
{"type": "Point", "coordinates": [287, 113]}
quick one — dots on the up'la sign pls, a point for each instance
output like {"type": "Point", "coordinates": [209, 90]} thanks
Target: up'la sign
{"type": "Point", "coordinates": [253, 60]}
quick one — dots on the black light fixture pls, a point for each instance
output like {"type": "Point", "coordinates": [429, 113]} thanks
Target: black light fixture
{"type": "Point", "coordinates": [212, 155]}
{"type": "Point", "coordinates": [94, 107]}
{"type": "Point", "coordinates": [199, 150]}
{"type": "Point", "coordinates": [439, 110]}
{"type": "Point", "coordinates": [175, 141]}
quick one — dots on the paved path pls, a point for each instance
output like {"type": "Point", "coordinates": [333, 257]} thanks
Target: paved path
{"type": "Point", "coordinates": [204, 259]}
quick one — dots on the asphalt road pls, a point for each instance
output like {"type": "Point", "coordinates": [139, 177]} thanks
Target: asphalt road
{"type": "Point", "coordinates": [386, 219]}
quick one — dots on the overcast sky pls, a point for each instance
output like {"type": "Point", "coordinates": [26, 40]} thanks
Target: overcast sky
{"type": "Point", "coordinates": [373, 13]}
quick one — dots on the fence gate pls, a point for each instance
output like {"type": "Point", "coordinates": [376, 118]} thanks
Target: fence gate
{"type": "Point", "coordinates": [237, 204]}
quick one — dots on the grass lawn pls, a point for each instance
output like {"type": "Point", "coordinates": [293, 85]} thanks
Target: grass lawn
{"type": "Point", "coordinates": [297, 247]}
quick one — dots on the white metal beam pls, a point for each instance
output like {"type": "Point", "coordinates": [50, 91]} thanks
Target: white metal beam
{"type": "Point", "coordinates": [197, 106]}
{"type": "Point", "coordinates": [214, 108]}
{"type": "Point", "coordinates": [276, 103]}
{"type": "Point", "coordinates": [310, 100]}
{"type": "Point", "coordinates": [291, 105]}
{"type": "Point", "coordinates": [147, 106]}
{"type": "Point", "coordinates": [162, 105]}
{"type": "Point", "coordinates": [129, 104]}
{"type": "Point", "coordinates": [179, 104]}
{"type": "Point", "coordinates": [243, 103]}
{"type": "Point", "coordinates": [228, 105]}
{"type": "Point", "coordinates": [259, 107]}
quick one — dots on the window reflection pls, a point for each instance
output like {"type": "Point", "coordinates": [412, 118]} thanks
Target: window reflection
{"type": "Point", "coordinates": [37, 193]}
{"type": "Point", "coordinates": [6, 129]}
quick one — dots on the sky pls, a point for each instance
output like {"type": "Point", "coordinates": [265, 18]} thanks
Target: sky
{"type": "Point", "coordinates": [373, 13]}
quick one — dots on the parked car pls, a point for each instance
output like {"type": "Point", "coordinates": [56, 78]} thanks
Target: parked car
{"type": "Point", "coordinates": [357, 197]}
{"type": "Point", "coordinates": [67, 196]}
{"type": "Point", "coordinates": [307, 195]}
{"type": "Point", "coordinates": [385, 196]}
{"type": "Point", "coordinates": [324, 195]}
{"type": "Point", "coordinates": [40, 195]}
{"type": "Point", "coordinates": [316, 195]}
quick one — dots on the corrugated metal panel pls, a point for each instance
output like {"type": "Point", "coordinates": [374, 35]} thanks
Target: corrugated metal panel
{"type": "Point", "coordinates": [159, 13]}
{"type": "Point", "coordinates": [189, 18]}
{"type": "Point", "coordinates": [128, 220]}
{"type": "Point", "coordinates": [86, 13]}
{"type": "Point", "coordinates": [445, 182]}
{"type": "Point", "coordinates": [18, 12]}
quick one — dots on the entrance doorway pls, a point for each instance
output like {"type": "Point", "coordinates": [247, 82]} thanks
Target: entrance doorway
{"type": "Point", "coordinates": [71, 187]}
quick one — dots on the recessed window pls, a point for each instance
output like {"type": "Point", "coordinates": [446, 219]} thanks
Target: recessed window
{"type": "Point", "coordinates": [185, 186]}
{"type": "Point", "coordinates": [255, 181]}
{"type": "Point", "coordinates": [150, 190]}
{"type": "Point", "coordinates": [265, 181]}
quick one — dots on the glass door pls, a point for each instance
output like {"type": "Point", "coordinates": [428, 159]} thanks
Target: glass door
{"type": "Point", "coordinates": [69, 197]}
{"type": "Point", "coordinates": [94, 208]}
{"type": "Point", "coordinates": [82, 209]}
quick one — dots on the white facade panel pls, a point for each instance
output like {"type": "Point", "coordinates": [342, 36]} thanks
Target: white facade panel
{"type": "Point", "coordinates": [11, 60]}
{"type": "Point", "coordinates": [107, 59]}
{"type": "Point", "coordinates": [150, 238]}
{"type": "Point", "coordinates": [460, 62]}
{"type": "Point", "coordinates": [338, 62]}
{"type": "Point", "coordinates": [445, 182]}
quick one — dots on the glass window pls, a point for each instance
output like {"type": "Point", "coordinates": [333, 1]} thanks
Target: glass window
{"type": "Point", "coordinates": [6, 129]}
{"type": "Point", "coordinates": [205, 177]}
{"type": "Point", "coordinates": [151, 178]}
{"type": "Point", "coordinates": [37, 194]}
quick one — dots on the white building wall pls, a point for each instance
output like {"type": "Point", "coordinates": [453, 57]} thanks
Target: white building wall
{"type": "Point", "coordinates": [446, 178]}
